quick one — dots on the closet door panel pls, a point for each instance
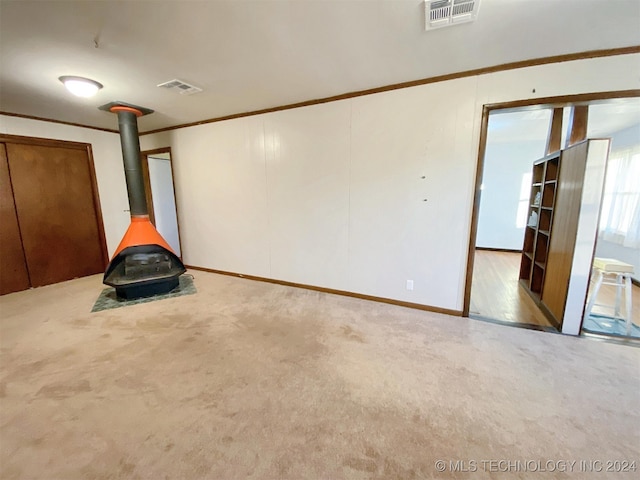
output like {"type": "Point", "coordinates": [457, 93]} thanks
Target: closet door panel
{"type": "Point", "coordinates": [13, 269]}
{"type": "Point", "coordinates": [54, 202]}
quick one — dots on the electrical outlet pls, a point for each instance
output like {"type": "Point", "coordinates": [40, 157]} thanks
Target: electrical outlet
{"type": "Point", "coordinates": [409, 284]}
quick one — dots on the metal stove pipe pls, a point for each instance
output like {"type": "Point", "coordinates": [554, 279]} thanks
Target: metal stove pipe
{"type": "Point", "coordinates": [128, 126]}
{"type": "Point", "coordinates": [129, 140]}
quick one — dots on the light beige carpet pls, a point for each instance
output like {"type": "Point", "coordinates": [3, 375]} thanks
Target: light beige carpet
{"type": "Point", "coordinates": [252, 380]}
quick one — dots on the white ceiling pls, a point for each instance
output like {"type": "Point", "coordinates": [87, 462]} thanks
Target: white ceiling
{"type": "Point", "coordinates": [252, 55]}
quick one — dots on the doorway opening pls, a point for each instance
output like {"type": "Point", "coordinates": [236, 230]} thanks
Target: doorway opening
{"type": "Point", "coordinates": [513, 137]}
{"type": "Point", "coordinates": [515, 140]}
{"type": "Point", "coordinates": [157, 171]}
{"type": "Point", "coordinates": [613, 308]}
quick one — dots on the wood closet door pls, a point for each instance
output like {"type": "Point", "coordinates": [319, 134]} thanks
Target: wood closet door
{"type": "Point", "coordinates": [53, 194]}
{"type": "Point", "coordinates": [13, 268]}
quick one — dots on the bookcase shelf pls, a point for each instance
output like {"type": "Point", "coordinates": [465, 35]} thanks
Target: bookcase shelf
{"type": "Point", "coordinates": [564, 182]}
{"type": "Point", "coordinates": [538, 232]}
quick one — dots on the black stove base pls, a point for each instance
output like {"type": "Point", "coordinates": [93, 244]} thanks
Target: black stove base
{"type": "Point", "coordinates": [141, 290]}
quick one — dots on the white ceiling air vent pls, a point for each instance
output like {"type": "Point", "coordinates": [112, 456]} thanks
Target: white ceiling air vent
{"type": "Point", "coordinates": [183, 88]}
{"type": "Point", "coordinates": [443, 13]}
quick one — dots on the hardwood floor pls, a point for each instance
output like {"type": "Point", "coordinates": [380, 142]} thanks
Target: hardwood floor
{"type": "Point", "coordinates": [496, 294]}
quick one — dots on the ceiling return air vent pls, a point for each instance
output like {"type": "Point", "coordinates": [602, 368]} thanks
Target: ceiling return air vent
{"type": "Point", "coordinates": [445, 13]}
{"type": "Point", "coordinates": [183, 88]}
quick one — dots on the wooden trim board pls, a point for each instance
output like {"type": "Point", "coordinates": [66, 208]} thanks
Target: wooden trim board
{"type": "Point", "coordinates": [578, 124]}
{"type": "Point", "coordinates": [564, 100]}
{"type": "Point", "coordinates": [473, 231]}
{"type": "Point", "coordinates": [414, 83]}
{"type": "Point", "coordinates": [44, 142]}
{"type": "Point", "coordinates": [400, 303]}
{"type": "Point", "coordinates": [554, 137]}
{"type": "Point", "coordinates": [609, 52]}
{"type": "Point", "coordinates": [62, 122]}
{"type": "Point", "coordinates": [97, 207]}
{"type": "Point", "coordinates": [508, 250]}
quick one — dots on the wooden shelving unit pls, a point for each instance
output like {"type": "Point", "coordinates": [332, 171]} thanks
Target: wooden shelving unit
{"type": "Point", "coordinates": [539, 221]}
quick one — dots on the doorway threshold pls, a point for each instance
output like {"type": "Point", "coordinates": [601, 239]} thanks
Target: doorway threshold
{"type": "Point", "coordinates": [628, 341]}
{"type": "Point", "coordinates": [527, 326]}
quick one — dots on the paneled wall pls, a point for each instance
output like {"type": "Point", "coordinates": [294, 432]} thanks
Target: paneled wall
{"type": "Point", "coordinates": [333, 195]}
{"type": "Point", "coordinates": [307, 190]}
{"type": "Point", "coordinates": [403, 226]}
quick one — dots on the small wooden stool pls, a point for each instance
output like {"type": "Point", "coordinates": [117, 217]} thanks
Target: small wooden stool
{"type": "Point", "coordinates": [608, 271]}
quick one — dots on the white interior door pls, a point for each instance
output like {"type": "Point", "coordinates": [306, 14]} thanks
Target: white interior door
{"type": "Point", "coordinates": [164, 203]}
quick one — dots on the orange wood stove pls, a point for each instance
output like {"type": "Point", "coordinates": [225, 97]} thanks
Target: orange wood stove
{"type": "Point", "coordinates": [144, 264]}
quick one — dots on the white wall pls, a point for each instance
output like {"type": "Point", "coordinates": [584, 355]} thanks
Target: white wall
{"type": "Point", "coordinates": [164, 207]}
{"type": "Point", "coordinates": [332, 195]}
{"type": "Point", "coordinates": [220, 181]}
{"type": "Point", "coordinates": [626, 138]}
{"type": "Point", "coordinates": [107, 158]}
{"type": "Point", "coordinates": [505, 165]}
{"type": "Point", "coordinates": [307, 193]}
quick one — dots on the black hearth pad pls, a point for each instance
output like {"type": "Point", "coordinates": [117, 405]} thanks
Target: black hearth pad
{"type": "Point", "coordinates": [108, 298]}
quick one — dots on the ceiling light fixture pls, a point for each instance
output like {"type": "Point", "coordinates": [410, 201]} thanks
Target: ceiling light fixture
{"type": "Point", "coordinates": [81, 87]}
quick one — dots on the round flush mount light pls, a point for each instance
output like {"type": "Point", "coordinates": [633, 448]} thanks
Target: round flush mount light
{"type": "Point", "coordinates": [80, 86]}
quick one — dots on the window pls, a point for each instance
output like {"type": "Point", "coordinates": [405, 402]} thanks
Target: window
{"type": "Point", "coordinates": [620, 214]}
{"type": "Point", "coordinates": [523, 202]}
